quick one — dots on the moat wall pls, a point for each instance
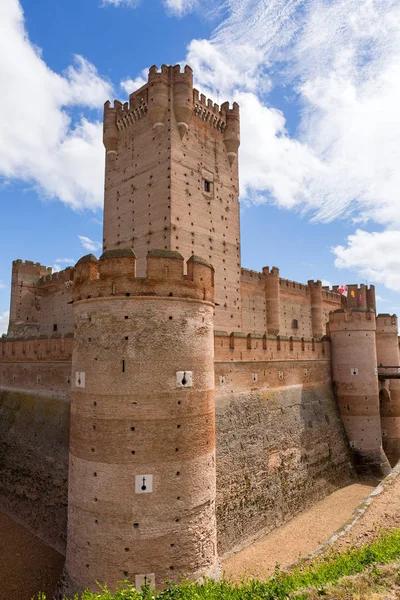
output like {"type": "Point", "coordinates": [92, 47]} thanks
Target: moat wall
{"type": "Point", "coordinates": [34, 431]}
{"type": "Point", "coordinates": [280, 442]}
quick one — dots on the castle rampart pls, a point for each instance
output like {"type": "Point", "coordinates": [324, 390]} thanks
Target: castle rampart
{"type": "Point", "coordinates": [164, 357]}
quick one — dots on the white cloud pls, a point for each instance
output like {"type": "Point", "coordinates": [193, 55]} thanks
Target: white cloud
{"type": "Point", "coordinates": [374, 256]}
{"type": "Point", "coordinates": [180, 7]}
{"type": "Point", "coordinates": [340, 60]}
{"type": "Point", "coordinates": [69, 261]}
{"type": "Point", "coordinates": [38, 141]}
{"type": "Point", "coordinates": [326, 283]}
{"type": "Point", "coordinates": [89, 244]}
{"type": "Point", "coordinates": [130, 85]}
{"type": "Point", "coordinates": [128, 3]}
{"type": "Point", "coordinates": [3, 286]}
{"type": "Point", "coordinates": [4, 318]}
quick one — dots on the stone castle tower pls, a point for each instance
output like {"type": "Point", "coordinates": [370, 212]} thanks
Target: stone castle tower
{"type": "Point", "coordinates": [141, 498]}
{"type": "Point", "coordinates": [355, 376]}
{"type": "Point", "coordinates": [171, 180]}
{"type": "Point", "coordinates": [142, 473]}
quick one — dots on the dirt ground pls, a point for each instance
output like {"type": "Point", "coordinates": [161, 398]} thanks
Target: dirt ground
{"type": "Point", "coordinates": [27, 565]}
{"type": "Point", "coordinates": [299, 537]}
{"type": "Point", "coordinates": [382, 514]}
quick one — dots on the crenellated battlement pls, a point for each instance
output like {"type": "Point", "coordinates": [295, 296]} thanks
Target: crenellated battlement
{"type": "Point", "coordinates": [253, 276]}
{"type": "Point", "coordinates": [54, 348]}
{"type": "Point", "coordinates": [352, 319]}
{"type": "Point", "coordinates": [293, 287]}
{"type": "Point", "coordinates": [30, 267]}
{"type": "Point", "coordinates": [114, 274]}
{"type": "Point", "coordinates": [239, 346]}
{"type": "Point", "coordinates": [58, 278]}
{"type": "Point", "coordinates": [331, 296]}
{"type": "Point", "coordinates": [386, 323]}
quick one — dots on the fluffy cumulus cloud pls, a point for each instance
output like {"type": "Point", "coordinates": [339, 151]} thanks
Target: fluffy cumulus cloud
{"type": "Point", "coordinates": [39, 141]}
{"type": "Point", "coordinates": [341, 60]}
{"type": "Point", "coordinates": [89, 244]}
{"type": "Point", "coordinates": [374, 255]}
{"type": "Point", "coordinates": [4, 317]}
{"type": "Point", "coordinates": [129, 85]}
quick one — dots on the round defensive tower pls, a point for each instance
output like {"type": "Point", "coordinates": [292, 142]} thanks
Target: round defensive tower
{"type": "Point", "coordinates": [141, 496]}
{"type": "Point", "coordinates": [272, 300]}
{"type": "Point", "coordinates": [354, 369]}
{"type": "Point", "coordinates": [317, 322]}
{"type": "Point", "coordinates": [387, 347]}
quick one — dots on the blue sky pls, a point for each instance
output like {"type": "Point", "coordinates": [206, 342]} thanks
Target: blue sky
{"type": "Point", "coordinates": [318, 82]}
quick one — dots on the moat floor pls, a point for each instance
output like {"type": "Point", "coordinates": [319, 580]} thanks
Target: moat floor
{"type": "Point", "coordinates": [28, 566]}
{"type": "Point", "coordinates": [299, 537]}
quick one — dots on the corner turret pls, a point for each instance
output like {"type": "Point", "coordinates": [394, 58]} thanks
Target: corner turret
{"type": "Point", "coordinates": [355, 376]}
{"type": "Point", "coordinates": [232, 130]}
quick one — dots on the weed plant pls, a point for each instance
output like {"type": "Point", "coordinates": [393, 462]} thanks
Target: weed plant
{"type": "Point", "coordinates": [279, 586]}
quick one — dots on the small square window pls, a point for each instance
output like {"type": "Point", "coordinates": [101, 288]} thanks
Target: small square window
{"type": "Point", "coordinates": [207, 186]}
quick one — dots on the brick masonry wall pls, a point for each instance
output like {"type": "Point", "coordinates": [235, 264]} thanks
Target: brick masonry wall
{"type": "Point", "coordinates": [280, 443]}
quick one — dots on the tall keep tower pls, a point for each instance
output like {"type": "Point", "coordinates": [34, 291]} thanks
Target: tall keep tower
{"type": "Point", "coordinates": [171, 180]}
{"type": "Point", "coordinates": [141, 492]}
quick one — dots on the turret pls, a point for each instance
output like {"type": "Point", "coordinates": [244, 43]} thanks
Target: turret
{"type": "Point", "coordinates": [388, 356]}
{"type": "Point", "coordinates": [317, 324]}
{"type": "Point", "coordinates": [272, 300]}
{"type": "Point", "coordinates": [158, 96]}
{"type": "Point", "coordinates": [232, 130]}
{"type": "Point", "coordinates": [142, 443]}
{"type": "Point", "coordinates": [183, 97]}
{"type": "Point", "coordinates": [110, 129]}
{"type": "Point", "coordinates": [355, 377]}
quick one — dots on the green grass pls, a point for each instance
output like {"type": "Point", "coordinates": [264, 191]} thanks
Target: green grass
{"type": "Point", "coordinates": [317, 574]}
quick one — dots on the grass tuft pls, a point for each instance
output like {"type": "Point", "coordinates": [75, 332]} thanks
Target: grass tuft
{"type": "Point", "coordinates": [317, 574]}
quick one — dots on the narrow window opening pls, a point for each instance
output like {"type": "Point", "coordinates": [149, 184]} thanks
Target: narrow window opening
{"type": "Point", "coordinates": [207, 186]}
{"type": "Point", "coordinates": [136, 526]}
{"type": "Point", "coordinates": [54, 327]}
{"type": "Point", "coordinates": [123, 366]}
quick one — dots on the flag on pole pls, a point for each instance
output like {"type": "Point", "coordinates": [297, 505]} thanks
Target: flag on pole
{"type": "Point", "coordinates": [343, 289]}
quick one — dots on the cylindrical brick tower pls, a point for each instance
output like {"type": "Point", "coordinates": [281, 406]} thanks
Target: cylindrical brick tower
{"type": "Point", "coordinates": [317, 324]}
{"type": "Point", "coordinates": [387, 348]}
{"type": "Point", "coordinates": [354, 369]}
{"type": "Point", "coordinates": [141, 496]}
{"type": "Point", "coordinates": [272, 300]}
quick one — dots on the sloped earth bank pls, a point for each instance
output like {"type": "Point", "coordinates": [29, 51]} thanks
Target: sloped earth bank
{"type": "Point", "coordinates": [27, 565]}
{"type": "Point", "coordinates": [297, 538]}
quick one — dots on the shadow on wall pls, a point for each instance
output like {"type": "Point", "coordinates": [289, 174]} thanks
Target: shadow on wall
{"type": "Point", "coordinates": [278, 452]}
{"type": "Point", "coordinates": [34, 438]}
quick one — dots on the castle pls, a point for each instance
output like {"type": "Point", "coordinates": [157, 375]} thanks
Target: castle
{"type": "Point", "coordinates": [200, 403]}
